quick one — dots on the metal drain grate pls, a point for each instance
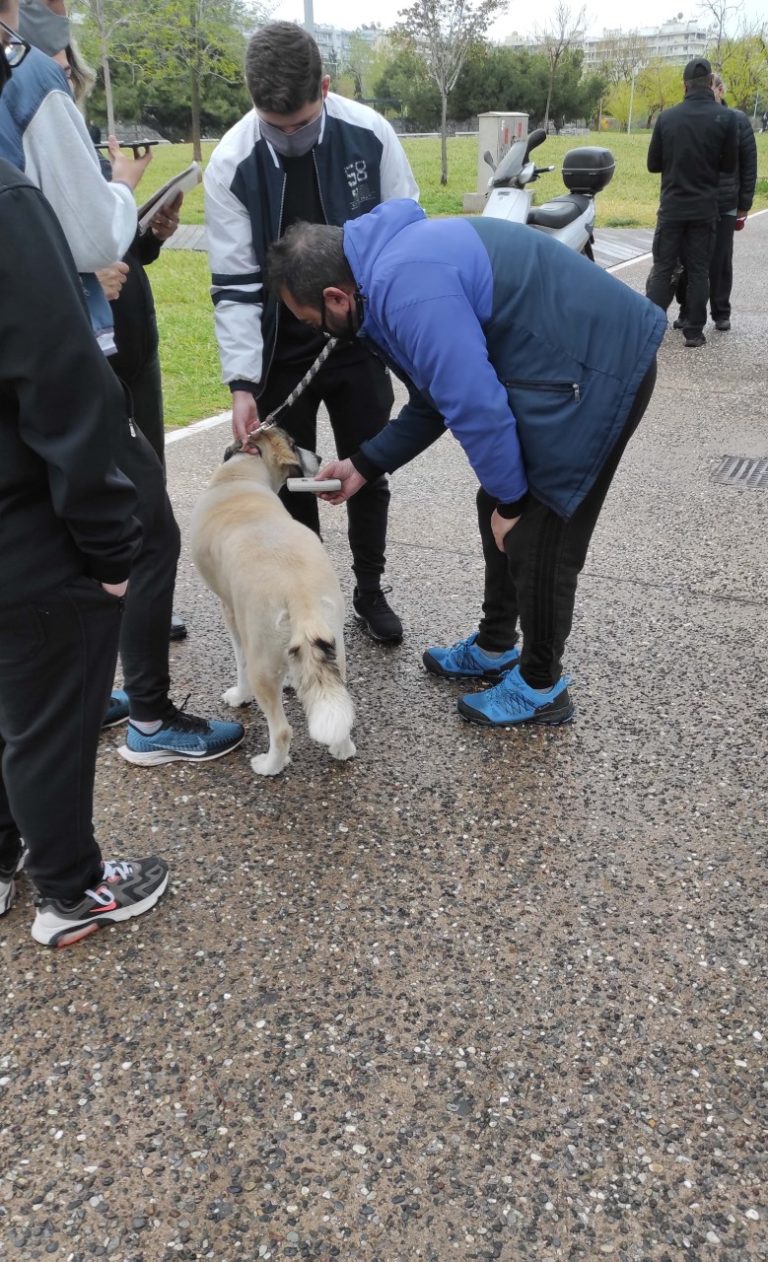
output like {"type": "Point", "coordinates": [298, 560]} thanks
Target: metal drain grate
{"type": "Point", "coordinates": [748, 472]}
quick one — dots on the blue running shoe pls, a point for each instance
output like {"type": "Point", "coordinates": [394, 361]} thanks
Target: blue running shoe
{"type": "Point", "coordinates": [182, 738]}
{"type": "Point", "coordinates": [511, 702]}
{"type": "Point", "coordinates": [466, 661]}
{"type": "Point", "coordinates": [117, 710]}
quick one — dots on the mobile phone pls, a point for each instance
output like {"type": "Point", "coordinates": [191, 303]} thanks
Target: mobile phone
{"type": "Point", "coordinates": [136, 145]}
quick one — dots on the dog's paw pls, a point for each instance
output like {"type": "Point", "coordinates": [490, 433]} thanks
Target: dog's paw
{"type": "Point", "coordinates": [236, 696]}
{"type": "Point", "coordinates": [342, 751]}
{"type": "Point", "coordinates": [268, 764]}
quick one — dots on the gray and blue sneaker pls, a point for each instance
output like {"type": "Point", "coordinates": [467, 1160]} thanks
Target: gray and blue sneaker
{"type": "Point", "coordinates": [117, 709]}
{"type": "Point", "coordinates": [512, 702]}
{"type": "Point", "coordinates": [125, 890]}
{"type": "Point", "coordinates": [464, 660]}
{"type": "Point", "coordinates": [182, 738]}
{"type": "Point", "coordinates": [8, 872]}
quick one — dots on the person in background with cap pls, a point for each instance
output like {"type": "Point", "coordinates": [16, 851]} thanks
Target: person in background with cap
{"type": "Point", "coordinates": [735, 195]}
{"type": "Point", "coordinates": [692, 144]}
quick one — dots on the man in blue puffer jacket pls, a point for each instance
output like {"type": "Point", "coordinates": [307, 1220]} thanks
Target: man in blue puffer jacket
{"type": "Point", "coordinates": [540, 365]}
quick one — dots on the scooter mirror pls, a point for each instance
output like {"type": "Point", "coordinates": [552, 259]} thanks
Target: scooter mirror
{"type": "Point", "coordinates": [535, 139]}
{"type": "Point", "coordinates": [488, 159]}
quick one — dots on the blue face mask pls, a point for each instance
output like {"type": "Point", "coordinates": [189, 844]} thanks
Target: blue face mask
{"type": "Point", "coordinates": [293, 144]}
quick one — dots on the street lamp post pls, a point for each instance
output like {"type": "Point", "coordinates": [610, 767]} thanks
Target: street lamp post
{"type": "Point", "coordinates": [631, 101]}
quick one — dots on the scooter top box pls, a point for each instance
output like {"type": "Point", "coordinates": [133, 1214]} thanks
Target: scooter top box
{"type": "Point", "coordinates": [588, 170]}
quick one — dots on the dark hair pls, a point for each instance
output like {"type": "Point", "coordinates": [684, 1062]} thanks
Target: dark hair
{"type": "Point", "coordinates": [283, 69]}
{"type": "Point", "coordinates": [306, 261]}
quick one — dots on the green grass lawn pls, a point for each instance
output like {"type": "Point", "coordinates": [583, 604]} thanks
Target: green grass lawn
{"type": "Point", "coordinates": [180, 278]}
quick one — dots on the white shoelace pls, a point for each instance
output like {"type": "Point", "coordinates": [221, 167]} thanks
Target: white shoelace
{"type": "Point", "coordinates": [111, 868]}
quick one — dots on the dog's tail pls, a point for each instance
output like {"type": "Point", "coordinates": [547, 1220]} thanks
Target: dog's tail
{"type": "Point", "coordinates": [319, 686]}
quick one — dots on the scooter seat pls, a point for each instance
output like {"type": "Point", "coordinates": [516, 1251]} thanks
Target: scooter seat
{"type": "Point", "coordinates": [559, 212]}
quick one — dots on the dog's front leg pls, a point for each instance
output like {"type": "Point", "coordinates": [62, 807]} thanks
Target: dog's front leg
{"type": "Point", "coordinates": [242, 691]}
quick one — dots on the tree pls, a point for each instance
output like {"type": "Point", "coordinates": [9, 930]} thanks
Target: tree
{"type": "Point", "coordinates": [717, 11]}
{"type": "Point", "coordinates": [659, 85]}
{"type": "Point", "coordinates": [105, 17]}
{"type": "Point", "coordinates": [621, 102]}
{"type": "Point", "coordinates": [171, 45]}
{"type": "Point", "coordinates": [195, 40]}
{"type": "Point", "coordinates": [500, 78]}
{"type": "Point", "coordinates": [744, 67]}
{"type": "Point", "coordinates": [405, 82]}
{"type": "Point", "coordinates": [555, 40]}
{"type": "Point", "coordinates": [442, 33]}
{"type": "Point", "coordinates": [623, 55]}
{"type": "Point", "coordinates": [363, 64]}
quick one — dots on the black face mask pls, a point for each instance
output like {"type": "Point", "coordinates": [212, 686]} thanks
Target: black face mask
{"type": "Point", "coordinates": [351, 332]}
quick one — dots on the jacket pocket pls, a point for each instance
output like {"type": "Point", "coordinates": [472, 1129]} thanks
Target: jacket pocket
{"type": "Point", "coordinates": [571, 388]}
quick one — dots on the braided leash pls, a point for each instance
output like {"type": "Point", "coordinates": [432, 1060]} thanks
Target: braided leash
{"type": "Point", "coordinates": [270, 421]}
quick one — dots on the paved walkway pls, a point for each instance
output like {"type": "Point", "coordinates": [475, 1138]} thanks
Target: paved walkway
{"type": "Point", "coordinates": [475, 995]}
{"type": "Point", "coordinates": [612, 245]}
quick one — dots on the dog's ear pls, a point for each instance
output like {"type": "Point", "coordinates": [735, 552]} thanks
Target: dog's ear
{"type": "Point", "coordinates": [285, 454]}
{"type": "Point", "coordinates": [310, 461]}
{"type": "Point", "coordinates": [232, 450]}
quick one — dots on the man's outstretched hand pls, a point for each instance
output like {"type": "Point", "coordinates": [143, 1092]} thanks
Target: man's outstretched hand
{"type": "Point", "coordinates": [350, 479]}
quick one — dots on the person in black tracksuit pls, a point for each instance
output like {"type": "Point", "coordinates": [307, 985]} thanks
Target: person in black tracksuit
{"type": "Point", "coordinates": [736, 191]}
{"type": "Point", "coordinates": [692, 143]}
{"type": "Point", "coordinates": [42, 132]}
{"type": "Point", "coordinates": [68, 537]}
{"type": "Point", "coordinates": [307, 154]}
{"type": "Point", "coordinates": [137, 362]}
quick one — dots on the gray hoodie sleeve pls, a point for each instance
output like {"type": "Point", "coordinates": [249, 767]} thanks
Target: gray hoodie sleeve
{"type": "Point", "coordinates": [98, 219]}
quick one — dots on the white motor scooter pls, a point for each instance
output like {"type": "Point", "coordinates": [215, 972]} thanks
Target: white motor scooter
{"type": "Point", "coordinates": [570, 218]}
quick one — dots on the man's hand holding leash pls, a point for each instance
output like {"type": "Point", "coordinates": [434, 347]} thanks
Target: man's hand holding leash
{"type": "Point", "coordinates": [245, 414]}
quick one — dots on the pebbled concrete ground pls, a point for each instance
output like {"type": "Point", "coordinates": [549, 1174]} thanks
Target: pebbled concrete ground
{"type": "Point", "coordinates": [475, 995]}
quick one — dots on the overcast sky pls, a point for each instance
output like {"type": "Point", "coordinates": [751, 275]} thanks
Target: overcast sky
{"type": "Point", "coordinates": [521, 16]}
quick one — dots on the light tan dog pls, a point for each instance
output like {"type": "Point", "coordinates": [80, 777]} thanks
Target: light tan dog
{"type": "Point", "coordinates": [281, 598]}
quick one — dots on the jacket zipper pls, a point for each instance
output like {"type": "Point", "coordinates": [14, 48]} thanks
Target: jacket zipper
{"type": "Point", "coordinates": [556, 387]}
{"type": "Point", "coordinates": [265, 371]}
{"type": "Point", "coordinates": [319, 188]}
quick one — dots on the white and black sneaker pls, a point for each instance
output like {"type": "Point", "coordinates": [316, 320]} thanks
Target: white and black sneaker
{"type": "Point", "coordinates": [126, 890]}
{"type": "Point", "coordinates": [8, 873]}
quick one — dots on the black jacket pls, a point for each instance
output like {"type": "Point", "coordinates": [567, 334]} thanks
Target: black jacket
{"type": "Point", "coordinates": [736, 190]}
{"type": "Point", "coordinates": [65, 509]}
{"type": "Point", "coordinates": [133, 312]}
{"type": "Point", "coordinates": [692, 143]}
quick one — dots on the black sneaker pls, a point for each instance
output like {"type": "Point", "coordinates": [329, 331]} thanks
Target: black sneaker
{"type": "Point", "coordinates": [126, 890]}
{"type": "Point", "coordinates": [8, 872]}
{"type": "Point", "coordinates": [695, 339]}
{"type": "Point", "coordinates": [724, 326]}
{"type": "Point", "coordinates": [375, 616]}
{"type": "Point", "coordinates": [679, 323]}
{"type": "Point", "coordinates": [178, 629]}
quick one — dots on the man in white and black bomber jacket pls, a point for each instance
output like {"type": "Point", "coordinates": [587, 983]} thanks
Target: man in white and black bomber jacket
{"type": "Point", "coordinates": [303, 153]}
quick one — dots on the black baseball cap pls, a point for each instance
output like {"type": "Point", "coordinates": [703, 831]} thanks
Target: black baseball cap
{"type": "Point", "coordinates": [697, 69]}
